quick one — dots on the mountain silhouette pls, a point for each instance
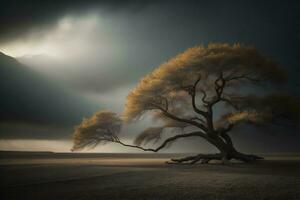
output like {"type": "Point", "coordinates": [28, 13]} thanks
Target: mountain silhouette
{"type": "Point", "coordinates": [30, 97]}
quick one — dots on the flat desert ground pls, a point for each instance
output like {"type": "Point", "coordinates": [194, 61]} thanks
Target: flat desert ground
{"type": "Point", "coordinates": [144, 176]}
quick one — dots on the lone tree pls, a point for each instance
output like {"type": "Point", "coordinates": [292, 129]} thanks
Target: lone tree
{"type": "Point", "coordinates": [183, 94]}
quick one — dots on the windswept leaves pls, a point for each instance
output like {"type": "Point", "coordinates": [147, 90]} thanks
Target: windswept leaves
{"type": "Point", "coordinates": [169, 79]}
{"type": "Point", "coordinates": [103, 126]}
{"type": "Point", "coordinates": [272, 108]}
{"type": "Point", "coordinates": [248, 117]}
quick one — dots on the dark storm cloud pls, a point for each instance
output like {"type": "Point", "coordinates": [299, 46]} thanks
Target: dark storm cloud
{"type": "Point", "coordinates": [150, 32]}
{"type": "Point", "coordinates": [163, 30]}
{"type": "Point", "coordinates": [18, 17]}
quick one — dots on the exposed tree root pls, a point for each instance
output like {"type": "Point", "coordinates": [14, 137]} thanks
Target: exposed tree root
{"type": "Point", "coordinates": [246, 157]}
{"type": "Point", "coordinates": [206, 158]}
{"type": "Point", "coordinates": [202, 158]}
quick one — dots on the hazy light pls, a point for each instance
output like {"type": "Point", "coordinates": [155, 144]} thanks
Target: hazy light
{"type": "Point", "coordinates": [69, 37]}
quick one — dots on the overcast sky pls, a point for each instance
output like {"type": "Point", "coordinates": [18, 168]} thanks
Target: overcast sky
{"type": "Point", "coordinates": [98, 50]}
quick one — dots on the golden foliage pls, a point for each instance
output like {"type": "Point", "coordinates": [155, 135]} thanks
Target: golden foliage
{"type": "Point", "coordinates": [247, 116]}
{"type": "Point", "coordinates": [103, 126]}
{"type": "Point", "coordinates": [169, 79]}
{"type": "Point", "coordinates": [265, 109]}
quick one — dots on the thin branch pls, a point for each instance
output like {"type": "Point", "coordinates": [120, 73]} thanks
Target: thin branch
{"type": "Point", "coordinates": [164, 144]}
{"type": "Point", "coordinates": [204, 97]}
{"type": "Point", "coordinates": [220, 84]}
{"type": "Point", "coordinates": [244, 76]}
{"type": "Point", "coordinates": [191, 89]}
{"type": "Point", "coordinates": [170, 115]}
{"type": "Point", "coordinates": [197, 118]}
{"type": "Point", "coordinates": [196, 109]}
{"type": "Point", "coordinates": [219, 88]}
{"type": "Point", "coordinates": [197, 81]}
{"type": "Point", "coordinates": [192, 92]}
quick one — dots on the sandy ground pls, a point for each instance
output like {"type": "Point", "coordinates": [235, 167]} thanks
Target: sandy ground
{"type": "Point", "coordinates": [145, 177]}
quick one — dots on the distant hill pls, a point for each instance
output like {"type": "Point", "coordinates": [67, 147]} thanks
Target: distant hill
{"type": "Point", "coordinates": [30, 97]}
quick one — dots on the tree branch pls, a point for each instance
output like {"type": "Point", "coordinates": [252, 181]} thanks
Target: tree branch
{"type": "Point", "coordinates": [164, 144]}
{"type": "Point", "coordinates": [244, 76]}
{"type": "Point", "coordinates": [219, 87]}
{"type": "Point", "coordinates": [204, 97]}
{"type": "Point", "coordinates": [197, 118]}
{"type": "Point", "coordinates": [192, 92]}
{"type": "Point", "coordinates": [192, 122]}
{"type": "Point", "coordinates": [220, 83]}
